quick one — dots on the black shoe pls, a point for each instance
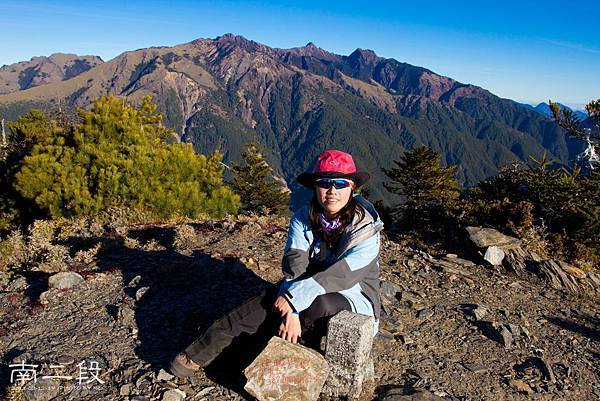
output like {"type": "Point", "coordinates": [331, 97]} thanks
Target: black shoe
{"type": "Point", "coordinates": [182, 366]}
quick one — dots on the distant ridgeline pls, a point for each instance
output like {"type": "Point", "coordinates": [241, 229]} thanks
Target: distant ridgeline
{"type": "Point", "coordinates": [222, 93]}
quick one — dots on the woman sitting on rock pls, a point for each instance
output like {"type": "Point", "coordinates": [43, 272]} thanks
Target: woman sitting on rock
{"type": "Point", "coordinates": [330, 263]}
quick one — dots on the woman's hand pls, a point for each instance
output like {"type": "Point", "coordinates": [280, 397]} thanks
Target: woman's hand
{"type": "Point", "coordinates": [282, 306]}
{"type": "Point", "coordinates": [290, 329]}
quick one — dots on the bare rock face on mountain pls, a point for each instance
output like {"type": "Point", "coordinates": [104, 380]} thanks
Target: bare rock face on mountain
{"type": "Point", "coordinates": [44, 70]}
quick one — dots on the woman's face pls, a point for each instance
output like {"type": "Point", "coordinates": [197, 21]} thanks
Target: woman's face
{"type": "Point", "coordinates": [332, 199]}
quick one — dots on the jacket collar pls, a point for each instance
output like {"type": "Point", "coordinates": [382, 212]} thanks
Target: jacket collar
{"type": "Point", "coordinates": [362, 229]}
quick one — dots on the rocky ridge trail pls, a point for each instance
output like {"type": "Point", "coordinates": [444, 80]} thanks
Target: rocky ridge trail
{"type": "Point", "coordinates": [451, 329]}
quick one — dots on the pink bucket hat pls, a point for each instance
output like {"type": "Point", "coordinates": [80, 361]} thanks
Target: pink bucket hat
{"type": "Point", "coordinates": [334, 164]}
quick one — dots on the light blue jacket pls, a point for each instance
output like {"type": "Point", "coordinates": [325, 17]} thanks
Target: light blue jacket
{"type": "Point", "coordinates": [353, 270]}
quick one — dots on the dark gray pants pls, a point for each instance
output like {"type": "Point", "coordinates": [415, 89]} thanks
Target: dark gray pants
{"type": "Point", "coordinates": [257, 318]}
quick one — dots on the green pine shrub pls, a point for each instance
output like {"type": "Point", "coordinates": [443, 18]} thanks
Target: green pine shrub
{"type": "Point", "coordinates": [259, 191]}
{"type": "Point", "coordinates": [22, 135]}
{"type": "Point", "coordinates": [429, 194]}
{"type": "Point", "coordinates": [118, 157]}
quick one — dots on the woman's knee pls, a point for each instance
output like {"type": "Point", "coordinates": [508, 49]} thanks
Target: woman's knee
{"type": "Point", "coordinates": [327, 305]}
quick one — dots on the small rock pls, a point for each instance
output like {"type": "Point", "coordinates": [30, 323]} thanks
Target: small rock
{"type": "Point", "coordinates": [521, 386]}
{"type": "Point", "coordinates": [515, 330]}
{"type": "Point", "coordinates": [25, 357]}
{"type": "Point", "coordinates": [140, 293]}
{"type": "Point", "coordinates": [126, 316]}
{"type": "Point", "coordinates": [425, 313]}
{"type": "Point", "coordinates": [409, 394]}
{"type": "Point", "coordinates": [46, 296]}
{"type": "Point", "coordinates": [65, 360]}
{"type": "Point", "coordinates": [409, 296]}
{"type": "Point", "coordinates": [494, 255]}
{"type": "Point", "coordinates": [474, 367]}
{"type": "Point", "coordinates": [134, 281]}
{"type": "Point", "coordinates": [412, 263]}
{"type": "Point", "coordinates": [126, 389]}
{"type": "Point", "coordinates": [479, 312]}
{"type": "Point", "coordinates": [169, 385]}
{"type": "Point", "coordinates": [18, 284]}
{"type": "Point", "coordinates": [163, 375]}
{"type": "Point", "coordinates": [463, 262]}
{"type": "Point", "coordinates": [64, 280]}
{"type": "Point", "coordinates": [406, 340]}
{"type": "Point", "coordinates": [515, 285]}
{"type": "Point", "coordinates": [386, 335]}
{"type": "Point", "coordinates": [506, 336]}
{"type": "Point", "coordinates": [389, 291]}
{"type": "Point", "coordinates": [173, 395]}
{"type": "Point", "coordinates": [42, 390]}
{"type": "Point", "coordinates": [186, 388]}
{"type": "Point", "coordinates": [205, 391]}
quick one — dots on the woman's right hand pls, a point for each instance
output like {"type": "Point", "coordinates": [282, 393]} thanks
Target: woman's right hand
{"type": "Point", "coordinates": [290, 328]}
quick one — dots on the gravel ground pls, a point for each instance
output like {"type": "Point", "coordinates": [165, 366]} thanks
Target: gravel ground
{"type": "Point", "coordinates": [459, 330]}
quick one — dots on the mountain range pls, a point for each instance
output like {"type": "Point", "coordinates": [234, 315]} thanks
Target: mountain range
{"type": "Point", "coordinates": [544, 109]}
{"type": "Point", "coordinates": [220, 93]}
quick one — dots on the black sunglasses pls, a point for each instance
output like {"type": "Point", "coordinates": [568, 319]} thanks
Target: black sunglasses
{"type": "Point", "coordinates": [338, 183]}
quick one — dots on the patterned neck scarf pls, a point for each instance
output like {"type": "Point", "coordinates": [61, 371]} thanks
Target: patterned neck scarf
{"type": "Point", "coordinates": [329, 225]}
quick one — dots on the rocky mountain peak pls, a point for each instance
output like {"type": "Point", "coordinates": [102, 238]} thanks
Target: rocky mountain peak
{"type": "Point", "coordinates": [364, 56]}
{"type": "Point", "coordinates": [308, 50]}
{"type": "Point", "coordinates": [229, 39]}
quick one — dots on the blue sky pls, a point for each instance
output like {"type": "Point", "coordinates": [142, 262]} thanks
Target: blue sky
{"type": "Point", "coordinates": [529, 51]}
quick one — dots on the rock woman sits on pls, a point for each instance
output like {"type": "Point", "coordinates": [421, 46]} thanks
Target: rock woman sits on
{"type": "Point", "coordinates": [330, 263]}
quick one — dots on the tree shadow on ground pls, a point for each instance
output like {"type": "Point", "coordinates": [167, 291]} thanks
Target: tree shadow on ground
{"type": "Point", "coordinates": [179, 297]}
{"type": "Point", "coordinates": [173, 297]}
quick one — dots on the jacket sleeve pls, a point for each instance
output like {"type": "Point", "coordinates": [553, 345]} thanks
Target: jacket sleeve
{"type": "Point", "coordinates": [341, 275]}
{"type": "Point", "coordinates": [296, 253]}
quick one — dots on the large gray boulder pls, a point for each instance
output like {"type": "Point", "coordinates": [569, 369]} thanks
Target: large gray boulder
{"type": "Point", "coordinates": [491, 244]}
{"type": "Point", "coordinates": [483, 238]}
